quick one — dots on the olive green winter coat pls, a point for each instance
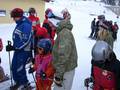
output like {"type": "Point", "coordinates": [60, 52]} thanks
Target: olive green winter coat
{"type": "Point", "coordinates": [64, 50]}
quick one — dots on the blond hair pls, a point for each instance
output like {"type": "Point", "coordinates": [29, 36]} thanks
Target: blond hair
{"type": "Point", "coordinates": [106, 36]}
{"type": "Point", "coordinates": [103, 34]}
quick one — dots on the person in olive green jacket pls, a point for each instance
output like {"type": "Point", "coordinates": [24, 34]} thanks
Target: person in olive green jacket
{"type": "Point", "coordinates": [64, 54]}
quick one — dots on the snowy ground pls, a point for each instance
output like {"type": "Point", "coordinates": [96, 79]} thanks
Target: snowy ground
{"type": "Point", "coordinates": [82, 13]}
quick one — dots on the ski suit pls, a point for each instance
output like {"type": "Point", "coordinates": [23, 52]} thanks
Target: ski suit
{"type": "Point", "coordinates": [35, 27]}
{"type": "Point", "coordinates": [50, 28]}
{"type": "Point", "coordinates": [35, 21]}
{"type": "Point", "coordinates": [2, 74]}
{"type": "Point", "coordinates": [22, 43]}
{"type": "Point", "coordinates": [43, 63]}
{"type": "Point", "coordinates": [106, 76]}
{"type": "Point", "coordinates": [103, 79]}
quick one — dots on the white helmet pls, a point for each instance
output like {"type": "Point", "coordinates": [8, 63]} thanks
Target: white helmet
{"type": "Point", "coordinates": [101, 51]}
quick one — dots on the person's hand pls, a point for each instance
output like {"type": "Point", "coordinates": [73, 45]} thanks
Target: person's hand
{"type": "Point", "coordinates": [87, 81]}
{"type": "Point", "coordinates": [58, 82]}
{"type": "Point", "coordinates": [9, 48]}
{"type": "Point", "coordinates": [43, 75]}
{"type": "Point", "coordinates": [31, 70]}
{"type": "Point", "coordinates": [32, 60]}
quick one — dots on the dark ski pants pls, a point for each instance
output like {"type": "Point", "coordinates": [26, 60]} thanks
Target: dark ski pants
{"type": "Point", "coordinates": [92, 32]}
{"type": "Point", "coordinates": [18, 66]}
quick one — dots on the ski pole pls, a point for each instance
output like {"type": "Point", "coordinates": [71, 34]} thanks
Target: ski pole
{"type": "Point", "coordinates": [35, 81]}
{"type": "Point", "coordinates": [9, 43]}
{"type": "Point", "coordinates": [87, 88]}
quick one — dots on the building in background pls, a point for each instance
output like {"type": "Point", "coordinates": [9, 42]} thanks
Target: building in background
{"type": "Point", "coordinates": [7, 5]}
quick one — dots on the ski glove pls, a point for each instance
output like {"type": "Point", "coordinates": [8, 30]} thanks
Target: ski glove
{"type": "Point", "coordinates": [32, 60]}
{"type": "Point", "coordinates": [58, 82]}
{"type": "Point", "coordinates": [31, 70]}
{"type": "Point", "coordinates": [43, 75]}
{"type": "Point", "coordinates": [87, 81]}
{"type": "Point", "coordinates": [9, 48]}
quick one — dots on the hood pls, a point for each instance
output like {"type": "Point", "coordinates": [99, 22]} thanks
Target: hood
{"type": "Point", "coordinates": [24, 19]}
{"type": "Point", "coordinates": [64, 24]}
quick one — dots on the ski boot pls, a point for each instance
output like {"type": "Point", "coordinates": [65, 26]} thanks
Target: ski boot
{"type": "Point", "coordinates": [14, 87]}
{"type": "Point", "coordinates": [87, 81]}
{"type": "Point", "coordinates": [25, 87]}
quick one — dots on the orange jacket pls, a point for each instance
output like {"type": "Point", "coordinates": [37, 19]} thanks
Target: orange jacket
{"type": "Point", "coordinates": [44, 63]}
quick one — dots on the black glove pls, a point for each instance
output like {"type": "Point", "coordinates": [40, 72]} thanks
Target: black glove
{"type": "Point", "coordinates": [58, 82]}
{"type": "Point", "coordinates": [43, 75]}
{"type": "Point", "coordinates": [31, 70]}
{"type": "Point", "coordinates": [9, 48]}
{"type": "Point", "coordinates": [87, 81]}
{"type": "Point", "coordinates": [33, 60]}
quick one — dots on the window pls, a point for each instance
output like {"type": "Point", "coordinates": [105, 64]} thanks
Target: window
{"type": "Point", "coordinates": [2, 12]}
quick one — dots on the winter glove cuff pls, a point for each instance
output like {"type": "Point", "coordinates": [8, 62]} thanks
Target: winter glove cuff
{"type": "Point", "coordinates": [31, 70]}
{"type": "Point", "coordinates": [9, 48]}
{"type": "Point", "coordinates": [58, 81]}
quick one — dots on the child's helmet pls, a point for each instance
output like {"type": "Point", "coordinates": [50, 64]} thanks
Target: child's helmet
{"type": "Point", "coordinates": [16, 12]}
{"type": "Point", "coordinates": [45, 44]}
{"type": "Point", "coordinates": [101, 51]}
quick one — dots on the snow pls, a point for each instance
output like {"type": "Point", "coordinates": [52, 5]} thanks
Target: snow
{"type": "Point", "coordinates": [82, 13]}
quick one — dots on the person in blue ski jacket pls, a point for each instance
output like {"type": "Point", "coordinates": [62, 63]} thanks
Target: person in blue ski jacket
{"type": "Point", "coordinates": [22, 42]}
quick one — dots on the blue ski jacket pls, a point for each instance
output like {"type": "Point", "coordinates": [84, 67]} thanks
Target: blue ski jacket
{"type": "Point", "coordinates": [22, 34]}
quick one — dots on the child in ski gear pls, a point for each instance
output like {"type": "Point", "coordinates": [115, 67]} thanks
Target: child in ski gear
{"type": "Point", "coordinates": [105, 67]}
{"type": "Point", "coordinates": [43, 65]}
{"type": "Point", "coordinates": [33, 17]}
{"type": "Point", "coordinates": [64, 51]}
{"type": "Point", "coordinates": [49, 25]}
{"type": "Point", "coordinates": [3, 77]}
{"type": "Point", "coordinates": [35, 25]}
{"type": "Point", "coordinates": [21, 46]}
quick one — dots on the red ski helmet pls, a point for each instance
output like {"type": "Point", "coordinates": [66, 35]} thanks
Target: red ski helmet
{"type": "Point", "coordinates": [17, 12]}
